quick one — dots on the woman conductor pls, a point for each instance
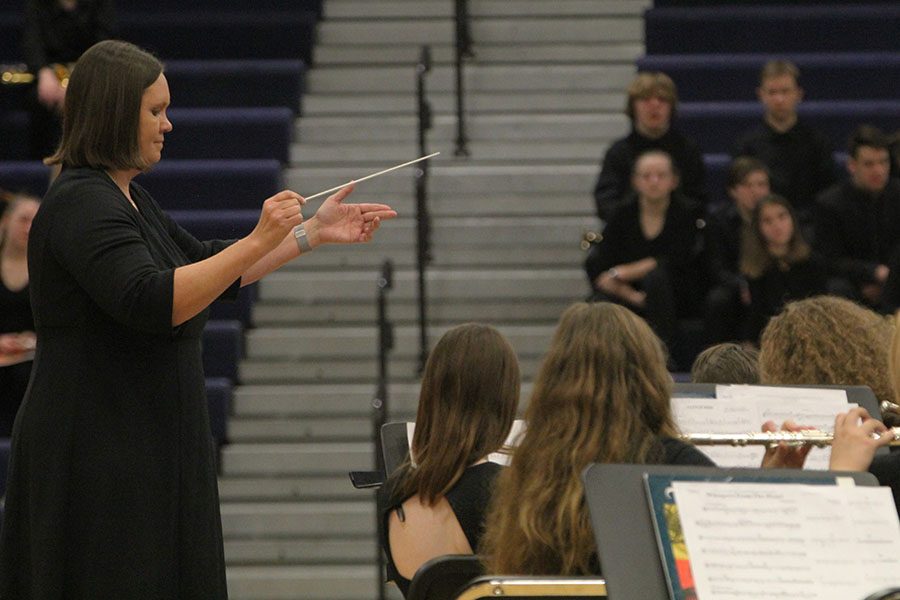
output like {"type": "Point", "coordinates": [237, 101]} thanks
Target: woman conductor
{"type": "Point", "coordinates": [112, 485]}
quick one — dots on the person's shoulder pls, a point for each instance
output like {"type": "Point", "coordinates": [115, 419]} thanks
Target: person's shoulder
{"type": "Point", "coordinates": [678, 452]}
{"type": "Point", "coordinates": [836, 196]}
{"type": "Point", "coordinates": [80, 191]}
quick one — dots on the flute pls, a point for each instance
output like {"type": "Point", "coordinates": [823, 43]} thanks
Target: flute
{"type": "Point", "coordinates": [807, 437]}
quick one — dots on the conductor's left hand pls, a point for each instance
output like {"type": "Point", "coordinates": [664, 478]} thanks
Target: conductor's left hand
{"type": "Point", "coordinates": [339, 223]}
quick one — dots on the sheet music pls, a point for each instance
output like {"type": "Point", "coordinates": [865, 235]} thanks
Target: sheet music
{"type": "Point", "coordinates": [743, 409]}
{"type": "Point", "coordinates": [750, 540]}
{"type": "Point", "coordinates": [501, 458]}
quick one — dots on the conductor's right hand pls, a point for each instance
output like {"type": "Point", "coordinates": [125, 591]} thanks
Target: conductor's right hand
{"type": "Point", "coordinates": [279, 215]}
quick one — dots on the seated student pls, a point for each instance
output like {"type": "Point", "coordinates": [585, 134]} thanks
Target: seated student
{"type": "Point", "coordinates": [858, 220]}
{"type": "Point", "coordinates": [832, 341]}
{"type": "Point", "coordinates": [649, 257]}
{"type": "Point", "coordinates": [435, 504]}
{"type": "Point", "coordinates": [726, 305]}
{"type": "Point", "coordinates": [778, 264]}
{"type": "Point", "coordinates": [652, 101]}
{"type": "Point", "coordinates": [828, 340]}
{"type": "Point", "coordinates": [17, 335]}
{"type": "Point", "coordinates": [726, 363]}
{"type": "Point", "coordinates": [798, 157]}
{"type": "Point", "coordinates": [602, 394]}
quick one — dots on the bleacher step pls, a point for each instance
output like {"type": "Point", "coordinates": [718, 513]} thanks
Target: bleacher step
{"type": "Point", "coordinates": [303, 551]}
{"type": "Point", "coordinates": [282, 460]}
{"type": "Point", "coordinates": [353, 520]}
{"type": "Point", "coordinates": [444, 103]}
{"type": "Point", "coordinates": [525, 30]}
{"type": "Point", "coordinates": [294, 488]}
{"type": "Point", "coordinates": [302, 582]}
{"type": "Point", "coordinates": [402, 9]}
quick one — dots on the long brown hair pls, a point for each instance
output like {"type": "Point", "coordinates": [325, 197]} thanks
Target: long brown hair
{"type": "Point", "coordinates": [602, 395]}
{"type": "Point", "coordinates": [103, 105]}
{"type": "Point", "coordinates": [467, 404]}
{"type": "Point", "coordinates": [755, 256]}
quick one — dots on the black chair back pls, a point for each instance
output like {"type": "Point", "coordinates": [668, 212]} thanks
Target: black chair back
{"type": "Point", "coordinates": [442, 578]}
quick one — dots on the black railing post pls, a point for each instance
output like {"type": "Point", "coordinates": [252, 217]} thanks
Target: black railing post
{"type": "Point", "coordinates": [463, 51]}
{"type": "Point", "coordinates": [423, 219]}
{"type": "Point", "coordinates": [380, 402]}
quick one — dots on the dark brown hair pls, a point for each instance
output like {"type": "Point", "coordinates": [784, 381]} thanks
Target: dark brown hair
{"type": "Point", "coordinates": [755, 257]}
{"type": "Point", "coordinates": [467, 404]}
{"type": "Point", "coordinates": [740, 168]}
{"type": "Point", "coordinates": [726, 363]}
{"type": "Point", "coordinates": [602, 394]}
{"type": "Point", "coordinates": [102, 107]}
{"type": "Point", "coordinates": [648, 84]}
{"type": "Point", "coordinates": [868, 136]}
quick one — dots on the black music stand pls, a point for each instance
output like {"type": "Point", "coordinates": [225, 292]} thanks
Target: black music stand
{"type": "Point", "coordinates": [620, 515]}
{"type": "Point", "coordinates": [394, 445]}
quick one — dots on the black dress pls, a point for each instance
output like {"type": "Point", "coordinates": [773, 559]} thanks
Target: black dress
{"type": "Point", "coordinates": [112, 484]}
{"type": "Point", "coordinates": [469, 500]}
{"type": "Point", "coordinates": [15, 317]}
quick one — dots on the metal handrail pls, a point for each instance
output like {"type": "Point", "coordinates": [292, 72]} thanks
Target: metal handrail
{"type": "Point", "coordinates": [423, 218]}
{"type": "Point", "coordinates": [463, 52]}
{"type": "Point", "coordinates": [380, 401]}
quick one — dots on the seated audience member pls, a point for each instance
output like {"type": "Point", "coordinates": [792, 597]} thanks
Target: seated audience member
{"type": "Point", "coordinates": [17, 337]}
{"type": "Point", "coordinates": [434, 505]}
{"type": "Point", "coordinates": [726, 304]}
{"type": "Point", "coordinates": [652, 100]}
{"type": "Point", "coordinates": [798, 157]}
{"type": "Point", "coordinates": [858, 220]}
{"type": "Point", "coordinates": [778, 263]}
{"type": "Point", "coordinates": [726, 363]}
{"type": "Point", "coordinates": [649, 255]}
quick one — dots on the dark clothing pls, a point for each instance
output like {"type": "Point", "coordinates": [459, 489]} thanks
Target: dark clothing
{"type": "Point", "coordinates": [856, 232]}
{"type": "Point", "coordinates": [54, 35]}
{"type": "Point", "coordinates": [677, 287]}
{"type": "Point", "coordinates": [776, 287]}
{"type": "Point", "coordinates": [725, 312]}
{"type": "Point", "coordinates": [112, 484]}
{"type": "Point", "coordinates": [469, 500]}
{"type": "Point", "coordinates": [799, 161]}
{"type": "Point", "coordinates": [886, 468]}
{"type": "Point", "coordinates": [614, 182]}
{"type": "Point", "coordinates": [678, 452]}
{"type": "Point", "coordinates": [15, 317]}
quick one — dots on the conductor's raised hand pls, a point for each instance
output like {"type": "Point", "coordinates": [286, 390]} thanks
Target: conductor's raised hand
{"type": "Point", "coordinates": [339, 223]}
{"type": "Point", "coordinates": [279, 215]}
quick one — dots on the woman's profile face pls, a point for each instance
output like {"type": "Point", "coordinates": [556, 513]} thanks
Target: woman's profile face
{"type": "Point", "coordinates": [776, 225]}
{"type": "Point", "coordinates": [154, 123]}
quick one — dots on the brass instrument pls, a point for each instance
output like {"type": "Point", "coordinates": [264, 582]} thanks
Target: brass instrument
{"type": "Point", "coordinates": [807, 437]}
{"type": "Point", "coordinates": [19, 75]}
{"type": "Point", "coordinates": [590, 237]}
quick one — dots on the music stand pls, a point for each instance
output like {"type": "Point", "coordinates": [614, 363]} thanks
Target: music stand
{"type": "Point", "coordinates": [394, 445]}
{"type": "Point", "coordinates": [862, 395]}
{"type": "Point", "coordinates": [620, 515]}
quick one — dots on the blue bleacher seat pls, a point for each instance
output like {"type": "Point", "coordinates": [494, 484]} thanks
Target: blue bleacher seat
{"type": "Point", "coordinates": [843, 76]}
{"type": "Point", "coordinates": [716, 126]}
{"type": "Point", "coordinates": [218, 396]}
{"type": "Point", "coordinates": [11, 35]}
{"type": "Point", "coordinates": [216, 225]}
{"type": "Point", "coordinates": [311, 6]}
{"type": "Point", "coordinates": [199, 133]}
{"type": "Point", "coordinates": [728, 29]}
{"type": "Point", "coordinates": [4, 463]}
{"type": "Point", "coordinates": [223, 348]}
{"type": "Point", "coordinates": [218, 83]}
{"type": "Point", "coordinates": [221, 34]}
{"type": "Point", "coordinates": [30, 177]}
{"type": "Point", "coordinates": [230, 133]}
{"type": "Point", "coordinates": [212, 184]}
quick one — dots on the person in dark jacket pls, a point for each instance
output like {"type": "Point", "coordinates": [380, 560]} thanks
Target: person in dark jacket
{"type": "Point", "coordinates": [652, 101]}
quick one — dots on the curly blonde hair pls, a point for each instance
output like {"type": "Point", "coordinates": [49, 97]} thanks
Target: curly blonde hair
{"type": "Point", "coordinates": [827, 340]}
{"type": "Point", "coordinates": [601, 395]}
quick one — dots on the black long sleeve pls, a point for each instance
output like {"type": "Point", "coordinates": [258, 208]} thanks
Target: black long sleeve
{"type": "Point", "coordinates": [53, 35]}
